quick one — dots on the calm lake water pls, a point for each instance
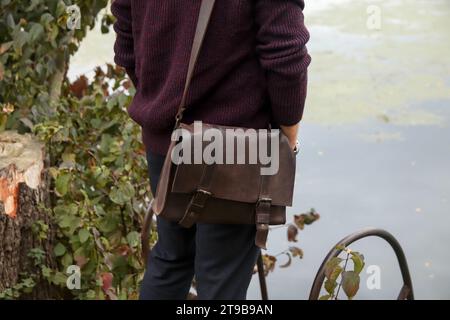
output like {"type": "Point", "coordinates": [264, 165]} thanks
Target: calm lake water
{"type": "Point", "coordinates": [375, 141]}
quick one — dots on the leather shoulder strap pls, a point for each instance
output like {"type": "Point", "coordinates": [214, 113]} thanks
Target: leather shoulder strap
{"type": "Point", "coordinates": [204, 16]}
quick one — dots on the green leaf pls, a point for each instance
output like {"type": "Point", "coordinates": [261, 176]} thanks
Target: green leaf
{"type": "Point", "coordinates": [330, 285]}
{"type": "Point", "coordinates": [62, 183]}
{"type": "Point", "coordinates": [60, 8]}
{"type": "Point", "coordinates": [90, 294]}
{"type": "Point", "coordinates": [46, 271]}
{"type": "Point", "coordinates": [79, 253]}
{"type": "Point", "coordinates": [133, 239]}
{"type": "Point", "coordinates": [19, 39]}
{"type": "Point", "coordinates": [306, 218]}
{"type": "Point", "coordinates": [331, 265]}
{"type": "Point", "coordinates": [10, 21]}
{"type": "Point", "coordinates": [33, 5]}
{"type": "Point", "coordinates": [116, 196]}
{"type": "Point", "coordinates": [336, 272]}
{"type": "Point", "coordinates": [67, 260]}
{"type": "Point", "coordinates": [111, 103]}
{"type": "Point", "coordinates": [120, 264]}
{"type": "Point", "coordinates": [109, 223]}
{"type": "Point", "coordinates": [46, 18]}
{"type": "Point", "coordinates": [122, 194]}
{"type": "Point", "coordinates": [84, 235]}
{"type": "Point", "coordinates": [358, 261]}
{"type": "Point", "coordinates": [311, 216]}
{"type": "Point", "coordinates": [68, 157]}
{"type": "Point", "coordinates": [325, 297]}
{"type": "Point", "coordinates": [65, 221]}
{"type": "Point", "coordinates": [5, 47]}
{"type": "Point", "coordinates": [123, 100]}
{"type": "Point", "coordinates": [59, 249]}
{"type": "Point", "coordinates": [59, 278]}
{"type": "Point", "coordinates": [36, 31]}
{"type": "Point", "coordinates": [350, 283]}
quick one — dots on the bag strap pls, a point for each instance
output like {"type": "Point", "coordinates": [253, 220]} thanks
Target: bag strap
{"type": "Point", "coordinates": [262, 213]}
{"type": "Point", "coordinates": [199, 198]}
{"type": "Point", "coordinates": [204, 16]}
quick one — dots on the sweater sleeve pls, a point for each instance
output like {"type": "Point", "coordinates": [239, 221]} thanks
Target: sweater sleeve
{"type": "Point", "coordinates": [281, 46]}
{"type": "Point", "coordinates": [124, 46]}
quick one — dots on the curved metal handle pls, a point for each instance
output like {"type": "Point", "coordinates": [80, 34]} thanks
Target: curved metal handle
{"type": "Point", "coordinates": [406, 291]}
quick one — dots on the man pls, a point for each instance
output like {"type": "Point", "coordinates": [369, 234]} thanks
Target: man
{"type": "Point", "coordinates": [251, 71]}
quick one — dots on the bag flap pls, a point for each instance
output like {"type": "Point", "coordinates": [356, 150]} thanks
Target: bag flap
{"type": "Point", "coordinates": [240, 182]}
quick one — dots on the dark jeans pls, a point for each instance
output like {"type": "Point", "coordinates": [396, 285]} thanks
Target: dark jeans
{"type": "Point", "coordinates": [222, 257]}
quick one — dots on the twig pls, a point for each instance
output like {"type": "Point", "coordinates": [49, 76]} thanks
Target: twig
{"type": "Point", "coordinates": [340, 283]}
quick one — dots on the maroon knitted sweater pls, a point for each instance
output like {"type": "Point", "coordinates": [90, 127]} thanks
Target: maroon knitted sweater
{"type": "Point", "coordinates": [251, 71]}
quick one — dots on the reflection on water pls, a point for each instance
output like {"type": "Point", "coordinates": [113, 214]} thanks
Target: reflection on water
{"type": "Point", "coordinates": [375, 141]}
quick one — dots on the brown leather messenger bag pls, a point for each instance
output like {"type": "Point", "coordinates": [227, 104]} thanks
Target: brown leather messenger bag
{"type": "Point", "coordinates": [222, 193]}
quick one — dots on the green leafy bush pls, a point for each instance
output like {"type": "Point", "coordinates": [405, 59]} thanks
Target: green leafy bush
{"type": "Point", "coordinates": [101, 186]}
{"type": "Point", "coordinates": [35, 48]}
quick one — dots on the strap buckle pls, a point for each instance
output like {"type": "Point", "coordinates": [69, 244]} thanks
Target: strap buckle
{"type": "Point", "coordinates": [263, 201]}
{"type": "Point", "coordinates": [195, 207]}
{"type": "Point", "coordinates": [200, 197]}
{"type": "Point", "coordinates": [263, 212]}
{"type": "Point", "coordinates": [262, 220]}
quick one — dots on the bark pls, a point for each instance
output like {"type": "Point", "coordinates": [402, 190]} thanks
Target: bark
{"type": "Point", "coordinates": [24, 187]}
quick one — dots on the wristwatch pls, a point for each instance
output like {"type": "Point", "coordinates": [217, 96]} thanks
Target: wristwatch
{"type": "Point", "coordinates": [296, 147]}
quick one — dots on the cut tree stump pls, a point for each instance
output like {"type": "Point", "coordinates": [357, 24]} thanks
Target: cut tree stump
{"type": "Point", "coordinates": [24, 183]}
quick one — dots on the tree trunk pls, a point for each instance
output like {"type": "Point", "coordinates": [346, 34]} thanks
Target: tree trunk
{"type": "Point", "coordinates": [24, 196]}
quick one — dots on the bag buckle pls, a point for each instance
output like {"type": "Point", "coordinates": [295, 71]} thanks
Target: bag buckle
{"type": "Point", "coordinates": [263, 212]}
{"type": "Point", "coordinates": [194, 208]}
{"type": "Point", "coordinates": [263, 200]}
{"type": "Point", "coordinates": [200, 197]}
